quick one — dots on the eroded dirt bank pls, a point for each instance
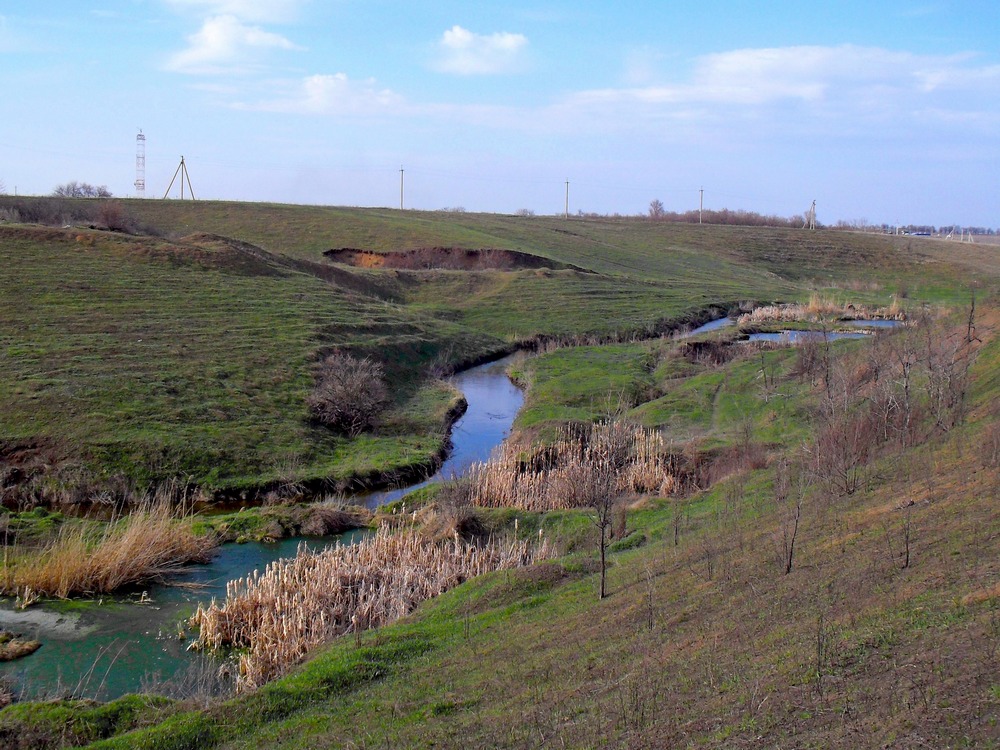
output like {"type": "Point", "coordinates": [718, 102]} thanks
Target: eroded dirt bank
{"type": "Point", "coordinates": [449, 258]}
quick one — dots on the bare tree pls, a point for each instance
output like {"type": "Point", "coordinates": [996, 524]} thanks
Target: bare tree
{"type": "Point", "coordinates": [350, 393]}
{"type": "Point", "coordinates": [656, 210]}
{"type": "Point", "coordinates": [790, 485]}
{"type": "Point", "coordinates": [74, 189]}
{"type": "Point", "coordinates": [609, 453]}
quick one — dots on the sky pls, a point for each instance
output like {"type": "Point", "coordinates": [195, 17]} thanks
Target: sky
{"type": "Point", "coordinates": [882, 111]}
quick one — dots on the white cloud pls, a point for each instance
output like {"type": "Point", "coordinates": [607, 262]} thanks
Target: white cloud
{"type": "Point", "coordinates": [335, 94]}
{"type": "Point", "coordinates": [225, 44]}
{"type": "Point", "coordinates": [259, 11]}
{"type": "Point", "coordinates": [846, 80]}
{"type": "Point", "coordinates": [467, 53]}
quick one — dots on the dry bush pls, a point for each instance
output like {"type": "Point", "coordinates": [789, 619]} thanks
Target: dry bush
{"type": "Point", "coordinates": [147, 545]}
{"type": "Point", "coordinates": [452, 515]}
{"type": "Point", "coordinates": [350, 393]}
{"type": "Point", "coordinates": [326, 520]}
{"type": "Point", "coordinates": [300, 602]}
{"type": "Point", "coordinates": [112, 215]}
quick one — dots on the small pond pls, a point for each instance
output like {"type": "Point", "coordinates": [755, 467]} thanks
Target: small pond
{"type": "Point", "coordinates": [104, 648]}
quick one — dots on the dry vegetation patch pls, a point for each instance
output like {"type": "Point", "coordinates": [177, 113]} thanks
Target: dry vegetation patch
{"type": "Point", "coordinates": [146, 545]}
{"type": "Point", "coordinates": [298, 603]}
{"type": "Point", "coordinates": [817, 309]}
{"type": "Point", "coordinates": [613, 457]}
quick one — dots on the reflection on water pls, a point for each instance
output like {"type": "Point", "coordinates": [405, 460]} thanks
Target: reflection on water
{"type": "Point", "coordinates": [712, 325]}
{"type": "Point", "coordinates": [493, 401]}
{"type": "Point", "coordinates": [104, 648]}
{"type": "Point", "coordinates": [794, 337]}
{"type": "Point", "coordinates": [108, 647]}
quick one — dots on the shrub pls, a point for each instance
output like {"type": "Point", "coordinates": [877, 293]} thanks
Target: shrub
{"type": "Point", "coordinates": [350, 394]}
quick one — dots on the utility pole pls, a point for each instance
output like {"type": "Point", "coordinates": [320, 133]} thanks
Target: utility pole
{"type": "Point", "coordinates": [567, 199]}
{"type": "Point", "coordinates": [183, 172]}
{"type": "Point", "coordinates": [701, 203]}
{"type": "Point", "coordinates": [401, 187]}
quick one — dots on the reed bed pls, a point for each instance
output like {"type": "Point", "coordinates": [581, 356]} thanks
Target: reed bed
{"type": "Point", "coordinates": [147, 545]}
{"type": "Point", "coordinates": [297, 603]}
{"type": "Point", "coordinates": [816, 309]}
{"type": "Point", "coordinates": [610, 458]}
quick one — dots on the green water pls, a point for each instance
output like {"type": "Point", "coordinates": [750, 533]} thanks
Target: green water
{"type": "Point", "coordinates": [105, 648]}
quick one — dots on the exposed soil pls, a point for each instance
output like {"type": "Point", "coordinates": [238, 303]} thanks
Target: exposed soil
{"type": "Point", "coordinates": [449, 258]}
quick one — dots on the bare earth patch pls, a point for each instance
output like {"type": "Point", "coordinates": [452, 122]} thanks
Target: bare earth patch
{"type": "Point", "coordinates": [449, 258]}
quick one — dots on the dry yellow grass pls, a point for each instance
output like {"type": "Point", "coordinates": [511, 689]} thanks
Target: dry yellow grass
{"type": "Point", "coordinates": [817, 309]}
{"type": "Point", "coordinates": [148, 544]}
{"type": "Point", "coordinates": [618, 457]}
{"type": "Point", "coordinates": [300, 602]}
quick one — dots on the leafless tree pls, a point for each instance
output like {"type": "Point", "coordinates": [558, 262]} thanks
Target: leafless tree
{"type": "Point", "coordinates": [350, 393]}
{"type": "Point", "coordinates": [656, 210]}
{"type": "Point", "coordinates": [791, 483]}
{"type": "Point", "coordinates": [74, 189]}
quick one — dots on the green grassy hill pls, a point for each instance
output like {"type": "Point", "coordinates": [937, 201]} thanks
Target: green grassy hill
{"type": "Point", "coordinates": [196, 344]}
{"type": "Point", "coordinates": [884, 632]}
{"type": "Point", "coordinates": [187, 350]}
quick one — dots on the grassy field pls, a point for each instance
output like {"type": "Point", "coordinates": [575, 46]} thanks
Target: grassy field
{"type": "Point", "coordinates": [188, 351]}
{"type": "Point", "coordinates": [885, 632]}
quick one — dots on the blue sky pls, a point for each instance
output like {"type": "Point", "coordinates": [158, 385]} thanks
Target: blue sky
{"type": "Point", "coordinates": [879, 111]}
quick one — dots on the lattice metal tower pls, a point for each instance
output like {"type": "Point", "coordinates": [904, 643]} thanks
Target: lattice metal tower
{"type": "Point", "coordinates": [140, 165]}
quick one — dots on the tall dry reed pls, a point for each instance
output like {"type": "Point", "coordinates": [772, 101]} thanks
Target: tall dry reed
{"type": "Point", "coordinates": [146, 545]}
{"type": "Point", "coordinates": [818, 308]}
{"type": "Point", "coordinates": [615, 456]}
{"type": "Point", "coordinates": [300, 602]}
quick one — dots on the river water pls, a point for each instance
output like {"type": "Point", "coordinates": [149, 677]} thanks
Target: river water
{"type": "Point", "coordinates": [115, 645]}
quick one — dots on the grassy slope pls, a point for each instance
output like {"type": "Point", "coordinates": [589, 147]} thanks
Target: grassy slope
{"type": "Point", "coordinates": [192, 356]}
{"type": "Point", "coordinates": [703, 642]}
{"type": "Point", "coordinates": [163, 359]}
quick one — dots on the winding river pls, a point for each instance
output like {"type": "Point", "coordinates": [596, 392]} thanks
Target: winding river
{"type": "Point", "coordinates": [108, 647]}
{"type": "Point", "coordinates": [115, 645]}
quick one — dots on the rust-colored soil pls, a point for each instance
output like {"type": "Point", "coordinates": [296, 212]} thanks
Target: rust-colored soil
{"type": "Point", "coordinates": [450, 258]}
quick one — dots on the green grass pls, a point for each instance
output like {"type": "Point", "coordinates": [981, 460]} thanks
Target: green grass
{"type": "Point", "coordinates": [189, 354]}
{"type": "Point", "coordinates": [703, 642]}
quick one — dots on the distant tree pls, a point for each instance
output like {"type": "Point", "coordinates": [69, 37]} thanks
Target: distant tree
{"type": "Point", "coordinates": [656, 210]}
{"type": "Point", "coordinates": [524, 212]}
{"type": "Point", "coordinates": [74, 189]}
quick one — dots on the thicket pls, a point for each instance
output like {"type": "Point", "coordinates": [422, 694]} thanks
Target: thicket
{"type": "Point", "coordinates": [896, 391]}
{"type": "Point", "coordinates": [350, 393]}
{"type": "Point", "coordinates": [60, 210]}
{"type": "Point", "coordinates": [278, 616]}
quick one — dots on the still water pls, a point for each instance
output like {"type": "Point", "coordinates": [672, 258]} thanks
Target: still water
{"type": "Point", "coordinates": [105, 648]}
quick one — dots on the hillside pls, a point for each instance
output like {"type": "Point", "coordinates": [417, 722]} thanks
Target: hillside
{"type": "Point", "coordinates": [823, 573]}
{"type": "Point", "coordinates": [881, 628]}
{"type": "Point", "coordinates": [187, 349]}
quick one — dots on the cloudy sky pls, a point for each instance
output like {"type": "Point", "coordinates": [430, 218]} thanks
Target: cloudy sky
{"type": "Point", "coordinates": [882, 110]}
